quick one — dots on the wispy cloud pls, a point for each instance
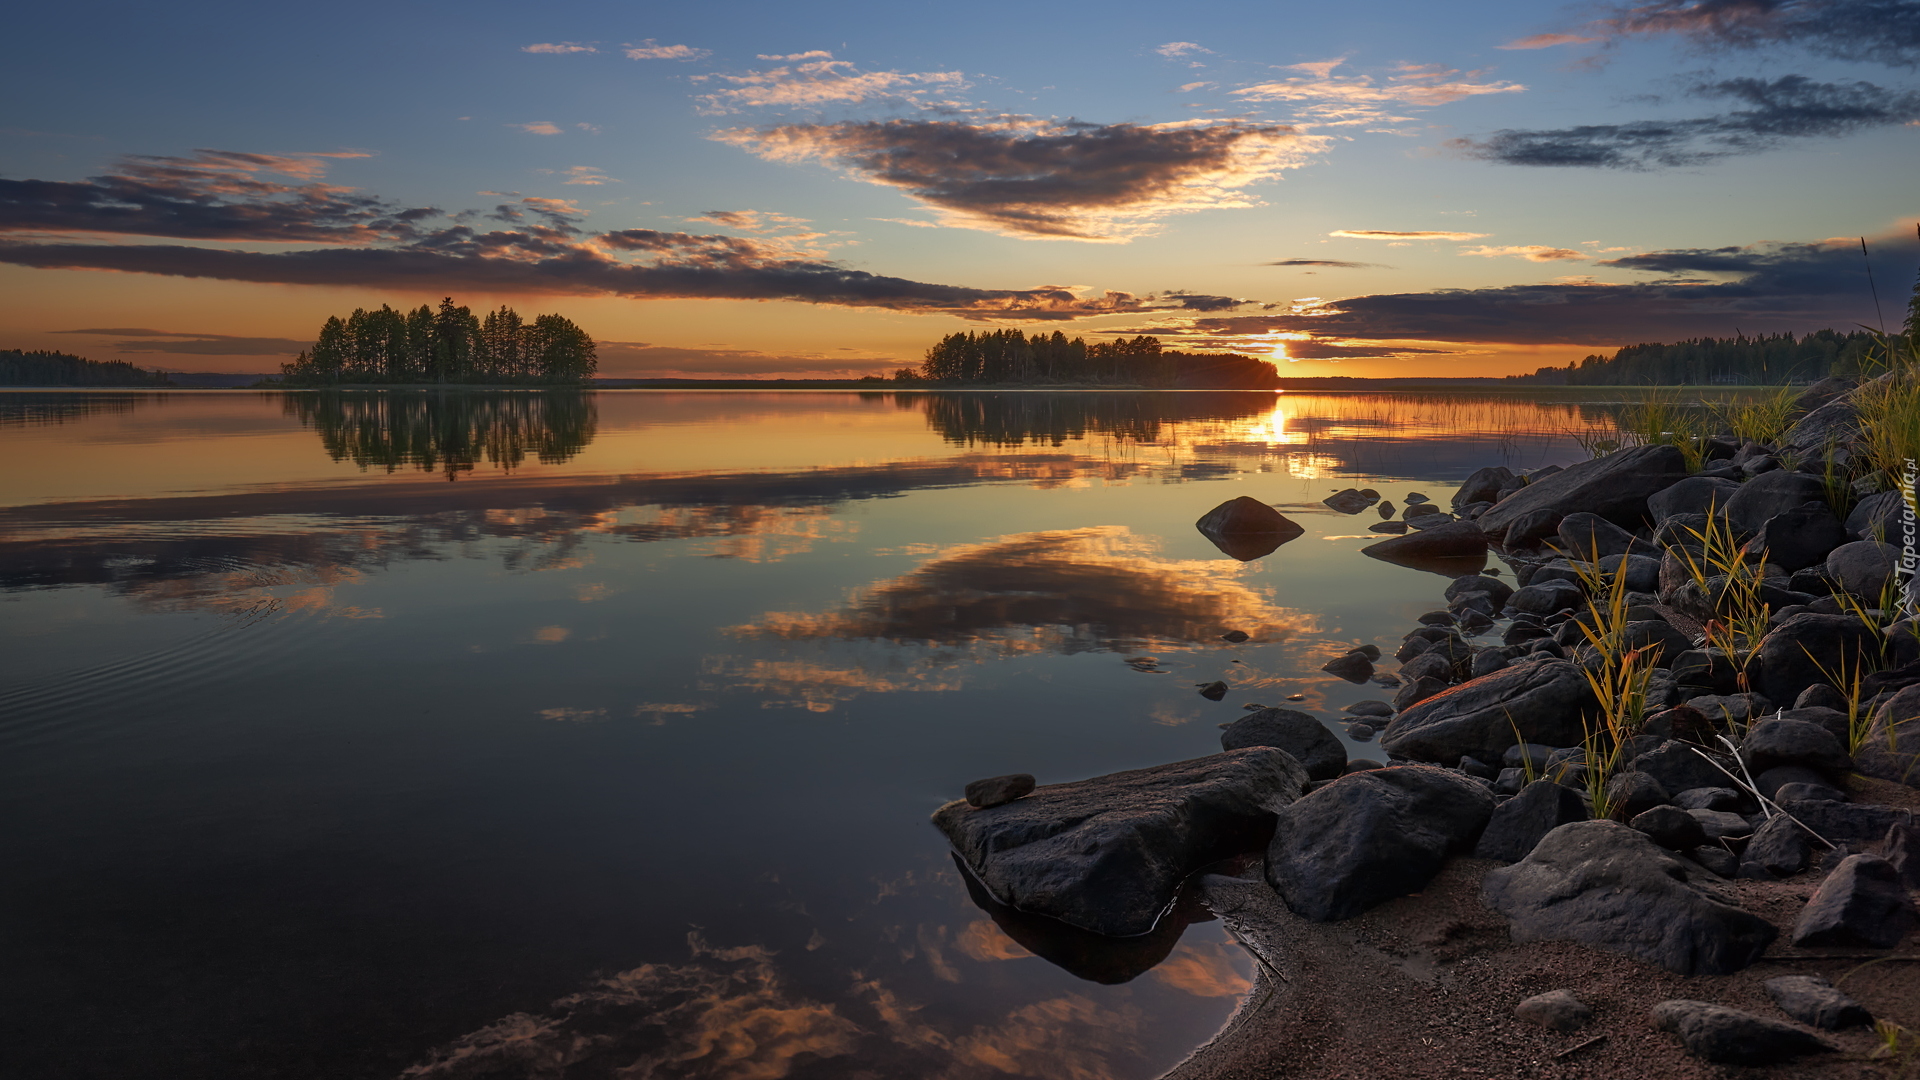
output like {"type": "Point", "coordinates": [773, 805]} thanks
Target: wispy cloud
{"type": "Point", "coordinates": [187, 343]}
{"type": "Point", "coordinates": [1529, 252]}
{"type": "Point", "coordinates": [1326, 98]}
{"type": "Point", "coordinates": [1395, 234]}
{"type": "Point", "coordinates": [1885, 31]}
{"type": "Point", "coordinates": [540, 246]}
{"type": "Point", "coordinates": [647, 50]}
{"type": "Point", "coordinates": [823, 82]}
{"type": "Point", "coordinates": [558, 47]}
{"type": "Point", "coordinates": [1182, 48]}
{"type": "Point", "coordinates": [1789, 107]}
{"type": "Point", "coordinates": [1339, 264]}
{"type": "Point", "coordinates": [538, 127]}
{"type": "Point", "coordinates": [1042, 179]}
{"type": "Point", "coordinates": [587, 175]}
{"type": "Point", "coordinates": [812, 54]}
{"type": "Point", "coordinates": [1547, 41]}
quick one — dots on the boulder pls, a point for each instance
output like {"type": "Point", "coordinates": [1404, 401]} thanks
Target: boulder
{"type": "Point", "coordinates": [1632, 793]}
{"type": "Point", "coordinates": [1519, 823]}
{"type": "Point", "coordinates": [1814, 1002]}
{"type": "Point", "coordinates": [1543, 701]}
{"type": "Point", "coordinates": [1856, 824]}
{"type": "Point", "coordinates": [1862, 903]}
{"type": "Point", "coordinates": [1353, 667]}
{"type": "Point", "coordinates": [1529, 529]}
{"type": "Point", "coordinates": [1770, 782]}
{"type": "Point", "coordinates": [1302, 735]}
{"type": "Point", "coordinates": [1615, 487]}
{"type": "Point", "coordinates": [1548, 597]}
{"type": "Point", "coordinates": [1834, 424]}
{"type": "Point", "coordinates": [1901, 849]}
{"type": "Point", "coordinates": [1555, 1010]}
{"type": "Point", "coordinates": [1797, 538]}
{"type": "Point", "coordinates": [999, 790]}
{"type": "Point", "coordinates": [1806, 648]}
{"type": "Point", "coordinates": [1792, 742]}
{"type": "Point", "coordinates": [1730, 1037]}
{"type": "Point", "coordinates": [1679, 768]}
{"type": "Point", "coordinates": [1495, 589]}
{"type": "Point", "coordinates": [1369, 708]}
{"type": "Point", "coordinates": [1642, 571]}
{"type": "Point", "coordinates": [1659, 636]}
{"type": "Point", "coordinates": [1418, 691]}
{"type": "Point", "coordinates": [1694, 495]}
{"type": "Point", "coordinates": [1770, 494]}
{"type": "Point", "coordinates": [1862, 568]}
{"type": "Point", "coordinates": [1879, 517]}
{"type": "Point", "coordinates": [1891, 748]}
{"type": "Point", "coordinates": [1372, 836]}
{"type": "Point", "coordinates": [1483, 485]}
{"type": "Point", "coordinates": [1592, 537]}
{"type": "Point", "coordinates": [1721, 824]}
{"type": "Point", "coordinates": [1455, 540]}
{"type": "Point", "coordinates": [1708, 798]}
{"type": "Point", "coordinates": [1418, 510]}
{"type": "Point", "coordinates": [1780, 848]}
{"type": "Point", "coordinates": [1670, 827]}
{"type": "Point", "coordinates": [1108, 854]}
{"type": "Point", "coordinates": [1350, 501]}
{"type": "Point", "coordinates": [1428, 665]}
{"type": "Point", "coordinates": [1724, 709]}
{"type": "Point", "coordinates": [1603, 884]}
{"type": "Point", "coordinates": [1247, 529]}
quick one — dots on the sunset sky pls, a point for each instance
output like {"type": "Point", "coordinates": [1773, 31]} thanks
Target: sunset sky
{"type": "Point", "coordinates": [758, 189]}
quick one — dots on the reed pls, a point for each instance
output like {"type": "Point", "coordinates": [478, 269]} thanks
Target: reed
{"type": "Point", "coordinates": [1617, 675]}
{"type": "Point", "coordinates": [1761, 420]}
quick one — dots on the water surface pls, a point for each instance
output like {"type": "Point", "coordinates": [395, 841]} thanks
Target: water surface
{"type": "Point", "coordinates": [553, 734]}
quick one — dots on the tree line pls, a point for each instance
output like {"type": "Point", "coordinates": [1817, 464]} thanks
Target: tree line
{"type": "Point", "coordinates": [445, 345]}
{"type": "Point", "coordinates": [1751, 360]}
{"type": "Point", "coordinates": [41, 367]}
{"type": "Point", "coordinates": [999, 357]}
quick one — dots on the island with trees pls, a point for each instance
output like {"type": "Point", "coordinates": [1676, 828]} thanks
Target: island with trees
{"type": "Point", "coordinates": [40, 367]}
{"type": "Point", "coordinates": [1011, 358]}
{"type": "Point", "coordinates": [445, 345]}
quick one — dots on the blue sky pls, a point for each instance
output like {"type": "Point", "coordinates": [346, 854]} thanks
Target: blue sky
{"type": "Point", "coordinates": [751, 188]}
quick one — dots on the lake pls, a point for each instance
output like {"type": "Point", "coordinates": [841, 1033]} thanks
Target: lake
{"type": "Point", "coordinates": [542, 734]}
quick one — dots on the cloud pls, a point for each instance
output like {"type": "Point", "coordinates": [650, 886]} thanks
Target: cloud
{"type": "Point", "coordinates": [823, 82]}
{"type": "Point", "coordinates": [1789, 107]}
{"type": "Point", "coordinates": [1037, 179]}
{"type": "Point", "coordinates": [814, 54]}
{"type": "Point", "coordinates": [538, 127]}
{"type": "Point", "coordinates": [1546, 41]}
{"type": "Point", "coordinates": [754, 221]}
{"type": "Point", "coordinates": [1192, 86]}
{"type": "Point", "coordinates": [588, 175]}
{"type": "Point", "coordinates": [647, 50]}
{"type": "Point", "coordinates": [1181, 48]}
{"type": "Point", "coordinates": [559, 47]}
{"type": "Point", "coordinates": [1335, 263]}
{"type": "Point", "coordinates": [1885, 31]}
{"type": "Point", "coordinates": [1529, 252]}
{"type": "Point", "coordinates": [192, 344]}
{"type": "Point", "coordinates": [1392, 234]}
{"type": "Point", "coordinates": [1337, 100]}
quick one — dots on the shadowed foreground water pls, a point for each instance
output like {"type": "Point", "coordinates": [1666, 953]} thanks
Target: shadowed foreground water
{"type": "Point", "coordinates": [559, 734]}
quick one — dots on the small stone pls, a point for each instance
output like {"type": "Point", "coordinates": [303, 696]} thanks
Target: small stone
{"type": "Point", "coordinates": [1633, 793]}
{"type": "Point", "coordinates": [1780, 848]}
{"type": "Point", "coordinates": [1720, 824]}
{"type": "Point", "coordinates": [1359, 732]}
{"type": "Point", "coordinates": [1296, 697]}
{"type": "Point", "coordinates": [1416, 497]}
{"type": "Point", "coordinates": [1213, 691]}
{"type": "Point", "coordinates": [1814, 1002]}
{"type": "Point", "coordinates": [1371, 652]}
{"type": "Point", "coordinates": [1708, 798]}
{"type": "Point", "coordinates": [1527, 755]}
{"type": "Point", "coordinates": [1369, 707]}
{"type": "Point", "coordinates": [1555, 1010]}
{"type": "Point", "coordinates": [1731, 1037]}
{"type": "Point", "coordinates": [999, 790]}
{"type": "Point", "coordinates": [1235, 636]}
{"type": "Point", "coordinates": [1670, 827]}
{"type": "Point", "coordinates": [1352, 667]}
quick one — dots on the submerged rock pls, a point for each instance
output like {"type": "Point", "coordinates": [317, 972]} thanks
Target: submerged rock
{"type": "Point", "coordinates": [999, 790]}
{"type": "Point", "coordinates": [1108, 854]}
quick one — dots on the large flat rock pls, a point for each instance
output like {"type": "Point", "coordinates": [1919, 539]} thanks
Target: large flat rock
{"type": "Point", "coordinates": [1108, 854]}
{"type": "Point", "coordinates": [1538, 701]}
{"type": "Point", "coordinates": [1616, 487]}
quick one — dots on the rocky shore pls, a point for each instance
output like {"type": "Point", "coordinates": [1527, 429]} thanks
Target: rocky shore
{"type": "Point", "coordinates": [1646, 804]}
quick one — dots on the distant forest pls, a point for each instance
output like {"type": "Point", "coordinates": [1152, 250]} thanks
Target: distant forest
{"type": "Point", "coordinates": [1001, 357]}
{"type": "Point", "coordinates": [43, 368]}
{"type": "Point", "coordinates": [448, 345]}
{"type": "Point", "coordinates": [1767, 359]}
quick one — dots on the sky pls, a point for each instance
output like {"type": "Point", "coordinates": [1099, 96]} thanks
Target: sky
{"type": "Point", "coordinates": [752, 189]}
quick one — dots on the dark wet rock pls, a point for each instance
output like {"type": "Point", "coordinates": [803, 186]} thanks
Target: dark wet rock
{"type": "Point", "coordinates": [1605, 885]}
{"type": "Point", "coordinates": [1430, 521]}
{"type": "Point", "coordinates": [1510, 782]}
{"type": "Point", "coordinates": [1633, 793]}
{"type": "Point", "coordinates": [1616, 487]}
{"type": "Point", "coordinates": [1555, 1010]}
{"type": "Point", "coordinates": [1814, 1002]}
{"type": "Point", "coordinates": [1834, 721]}
{"type": "Point", "coordinates": [1716, 859]}
{"type": "Point", "coordinates": [1371, 652]}
{"type": "Point", "coordinates": [1417, 691]}
{"type": "Point", "coordinates": [1836, 423]}
{"type": "Point", "coordinates": [1798, 538]}
{"type": "Point", "coordinates": [1658, 636]}
{"type": "Point", "coordinates": [1359, 731]}
{"type": "Point", "coordinates": [1411, 647]}
{"type": "Point", "coordinates": [1371, 837]}
{"type": "Point", "coordinates": [1862, 903]}
{"type": "Point", "coordinates": [1235, 636]}
{"type": "Point", "coordinates": [1387, 508]}
{"type": "Point", "coordinates": [1358, 765]}
{"type": "Point", "coordinates": [1724, 709]}
{"type": "Point", "coordinates": [1730, 1037]}
{"type": "Point", "coordinates": [1590, 537]}
{"type": "Point", "coordinates": [1791, 656]}
{"type": "Point", "coordinates": [1545, 598]}
{"type": "Point", "coordinates": [1670, 827]}
{"type": "Point", "coordinates": [1418, 510]}
{"type": "Point", "coordinates": [1543, 700]}
{"type": "Point", "coordinates": [1694, 495]}
{"type": "Point", "coordinates": [1476, 622]}
{"type": "Point", "coordinates": [1437, 617]}
{"type": "Point", "coordinates": [1708, 798]}
{"type": "Point", "coordinates": [1901, 849]}
{"type": "Point", "coordinates": [1213, 691]}
{"type": "Point", "coordinates": [1878, 517]}
{"type": "Point", "coordinates": [1487, 662]}
{"type": "Point", "coordinates": [1680, 530]}
{"type": "Point", "coordinates": [1247, 529]}
{"type": "Point", "coordinates": [1642, 571]}
{"type": "Point", "coordinates": [1771, 781]}
{"type": "Point", "coordinates": [1848, 823]}
{"type": "Point", "coordinates": [1299, 734]}
{"type": "Point", "coordinates": [1453, 540]}
{"type": "Point", "coordinates": [1862, 567]}
{"type": "Point", "coordinates": [1805, 792]}
{"type": "Point", "coordinates": [1771, 494]}
{"type": "Point", "coordinates": [1521, 632]}
{"type": "Point", "coordinates": [1353, 667]}
{"type": "Point", "coordinates": [1520, 822]}
{"type": "Point", "coordinates": [1891, 749]}
{"type": "Point", "coordinates": [1108, 854]}
{"type": "Point", "coordinates": [1721, 824]}
{"type": "Point", "coordinates": [1678, 767]}
{"type": "Point", "coordinates": [1483, 485]}
{"type": "Point", "coordinates": [998, 790]}
{"type": "Point", "coordinates": [1793, 742]}
{"type": "Point", "coordinates": [1812, 580]}
{"type": "Point", "coordinates": [1350, 501]}
{"type": "Point", "coordinates": [1890, 679]}
{"type": "Point", "coordinates": [1369, 708]}
{"type": "Point", "coordinates": [1533, 756]}
{"type": "Point", "coordinates": [1395, 527]}
{"type": "Point", "coordinates": [1495, 589]}
{"type": "Point", "coordinates": [1529, 529]}
{"type": "Point", "coordinates": [1780, 848]}
{"type": "Point", "coordinates": [1473, 766]}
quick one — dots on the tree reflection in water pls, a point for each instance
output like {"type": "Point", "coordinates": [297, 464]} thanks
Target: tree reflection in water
{"type": "Point", "coordinates": [1018, 418]}
{"type": "Point", "coordinates": [448, 432]}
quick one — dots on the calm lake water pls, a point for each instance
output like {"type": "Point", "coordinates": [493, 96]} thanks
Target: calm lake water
{"type": "Point", "coordinates": [553, 734]}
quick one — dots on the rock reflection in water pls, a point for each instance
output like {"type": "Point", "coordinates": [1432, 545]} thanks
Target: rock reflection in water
{"type": "Point", "coordinates": [448, 432]}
